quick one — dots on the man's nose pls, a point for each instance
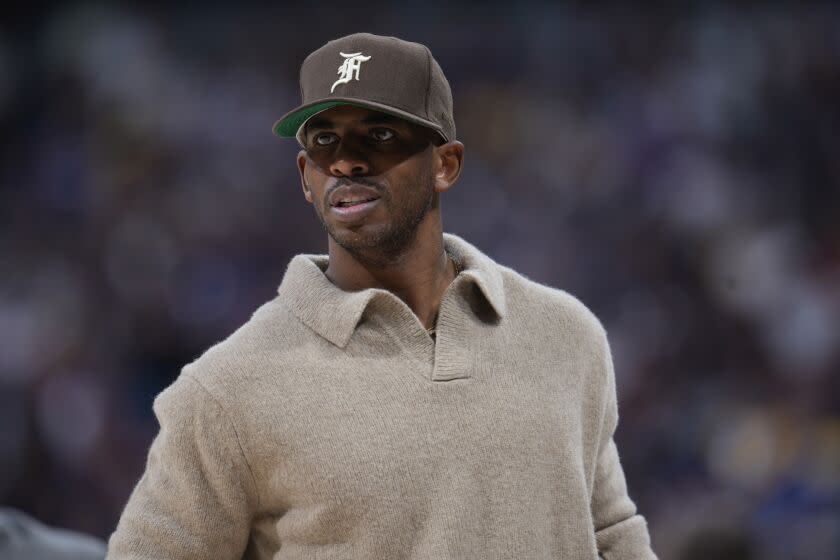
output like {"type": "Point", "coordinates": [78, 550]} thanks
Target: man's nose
{"type": "Point", "coordinates": [349, 163]}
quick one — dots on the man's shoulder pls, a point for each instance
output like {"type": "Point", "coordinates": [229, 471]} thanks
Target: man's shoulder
{"type": "Point", "coordinates": [541, 304]}
{"type": "Point", "coordinates": [249, 351]}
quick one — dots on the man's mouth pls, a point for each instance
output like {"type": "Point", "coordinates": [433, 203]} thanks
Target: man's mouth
{"type": "Point", "coordinates": [354, 202]}
{"type": "Point", "coordinates": [353, 194]}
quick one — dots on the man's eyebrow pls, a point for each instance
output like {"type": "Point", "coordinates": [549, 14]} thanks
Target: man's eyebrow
{"type": "Point", "coordinates": [375, 118]}
{"type": "Point", "coordinates": [319, 123]}
{"type": "Point", "coordinates": [381, 118]}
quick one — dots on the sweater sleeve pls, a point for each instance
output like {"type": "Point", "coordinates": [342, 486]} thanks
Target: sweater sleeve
{"type": "Point", "coordinates": [620, 532]}
{"type": "Point", "coordinates": [197, 494]}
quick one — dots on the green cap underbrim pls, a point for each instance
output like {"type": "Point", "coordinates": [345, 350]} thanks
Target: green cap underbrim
{"type": "Point", "coordinates": [288, 126]}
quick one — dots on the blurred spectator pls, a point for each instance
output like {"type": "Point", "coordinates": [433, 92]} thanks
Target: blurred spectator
{"type": "Point", "coordinates": [720, 545]}
{"type": "Point", "coordinates": [24, 538]}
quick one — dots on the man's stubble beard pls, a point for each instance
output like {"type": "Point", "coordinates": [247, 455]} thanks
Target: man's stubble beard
{"type": "Point", "coordinates": [384, 248]}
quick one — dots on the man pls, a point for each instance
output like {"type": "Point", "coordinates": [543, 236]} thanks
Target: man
{"type": "Point", "coordinates": [402, 397]}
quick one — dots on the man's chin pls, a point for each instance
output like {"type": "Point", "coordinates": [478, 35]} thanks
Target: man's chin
{"type": "Point", "coordinates": [372, 246]}
{"type": "Point", "coordinates": [355, 239]}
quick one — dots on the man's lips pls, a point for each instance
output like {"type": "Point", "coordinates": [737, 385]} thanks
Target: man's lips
{"type": "Point", "coordinates": [352, 194]}
{"type": "Point", "coordinates": [354, 213]}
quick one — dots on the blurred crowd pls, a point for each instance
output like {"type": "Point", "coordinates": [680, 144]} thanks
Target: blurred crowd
{"type": "Point", "coordinates": [676, 170]}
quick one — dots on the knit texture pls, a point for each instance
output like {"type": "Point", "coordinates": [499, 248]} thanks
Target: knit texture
{"type": "Point", "coordinates": [331, 425]}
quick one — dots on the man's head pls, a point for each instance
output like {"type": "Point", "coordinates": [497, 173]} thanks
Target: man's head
{"type": "Point", "coordinates": [375, 123]}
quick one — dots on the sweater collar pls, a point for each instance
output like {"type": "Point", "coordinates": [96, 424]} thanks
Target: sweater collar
{"type": "Point", "coordinates": [334, 313]}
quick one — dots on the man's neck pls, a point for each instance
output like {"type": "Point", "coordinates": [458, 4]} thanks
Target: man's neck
{"type": "Point", "coordinates": [419, 278]}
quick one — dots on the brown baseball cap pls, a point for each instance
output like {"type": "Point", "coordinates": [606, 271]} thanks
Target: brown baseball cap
{"type": "Point", "coordinates": [380, 73]}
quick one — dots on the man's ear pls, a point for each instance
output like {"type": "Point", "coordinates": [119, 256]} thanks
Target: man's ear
{"type": "Point", "coordinates": [302, 163]}
{"type": "Point", "coordinates": [449, 159]}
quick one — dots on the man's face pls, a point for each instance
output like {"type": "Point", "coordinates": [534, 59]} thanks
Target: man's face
{"type": "Point", "coordinates": [349, 147]}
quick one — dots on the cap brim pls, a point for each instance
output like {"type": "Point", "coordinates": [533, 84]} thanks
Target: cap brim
{"type": "Point", "coordinates": [290, 123]}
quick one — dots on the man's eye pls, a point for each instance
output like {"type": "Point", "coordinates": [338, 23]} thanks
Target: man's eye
{"type": "Point", "coordinates": [382, 134]}
{"type": "Point", "coordinates": [323, 139]}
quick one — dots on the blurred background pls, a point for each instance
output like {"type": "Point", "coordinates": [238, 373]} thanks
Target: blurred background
{"type": "Point", "coordinates": [676, 170]}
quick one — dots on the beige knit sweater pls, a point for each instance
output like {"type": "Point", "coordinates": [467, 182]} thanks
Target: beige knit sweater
{"type": "Point", "coordinates": [331, 425]}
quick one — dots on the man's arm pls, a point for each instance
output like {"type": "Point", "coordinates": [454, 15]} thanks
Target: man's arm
{"type": "Point", "coordinates": [197, 495]}
{"type": "Point", "coordinates": [620, 532]}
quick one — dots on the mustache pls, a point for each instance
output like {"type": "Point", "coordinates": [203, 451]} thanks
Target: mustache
{"type": "Point", "coordinates": [356, 181]}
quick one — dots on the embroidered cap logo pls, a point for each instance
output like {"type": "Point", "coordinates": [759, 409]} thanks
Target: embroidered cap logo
{"type": "Point", "coordinates": [352, 63]}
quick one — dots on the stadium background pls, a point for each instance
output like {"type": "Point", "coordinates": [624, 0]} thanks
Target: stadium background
{"type": "Point", "coordinates": [677, 170]}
